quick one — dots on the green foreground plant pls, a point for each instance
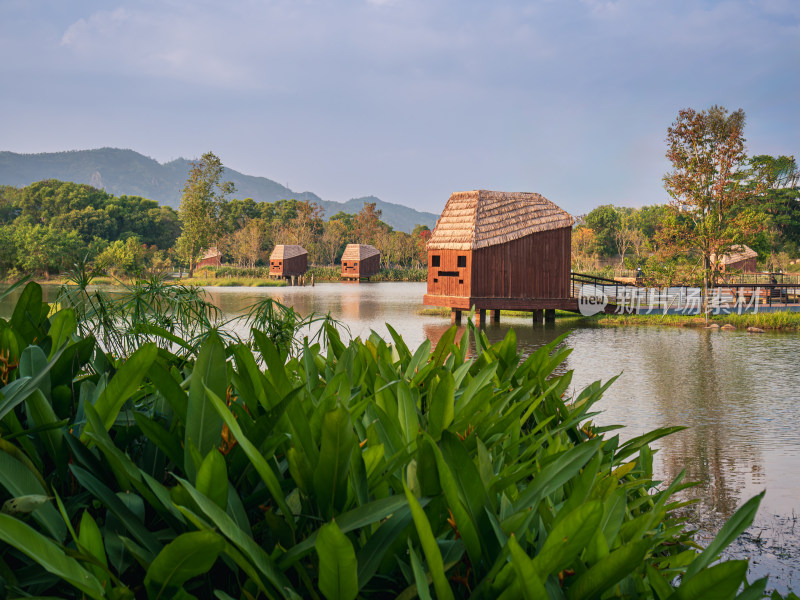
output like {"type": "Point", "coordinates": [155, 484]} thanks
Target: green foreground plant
{"type": "Point", "coordinates": [246, 470]}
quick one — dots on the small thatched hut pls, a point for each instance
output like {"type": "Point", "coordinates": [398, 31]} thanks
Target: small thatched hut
{"type": "Point", "coordinates": [500, 250]}
{"type": "Point", "coordinates": [211, 258]}
{"type": "Point", "coordinates": [288, 260]}
{"type": "Point", "coordinates": [740, 258]}
{"type": "Point", "coordinates": [360, 261]}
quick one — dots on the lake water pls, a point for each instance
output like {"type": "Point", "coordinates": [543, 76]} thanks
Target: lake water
{"type": "Point", "coordinates": [737, 393]}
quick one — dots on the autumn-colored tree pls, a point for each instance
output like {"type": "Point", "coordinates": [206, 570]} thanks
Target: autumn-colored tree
{"type": "Point", "coordinates": [367, 223]}
{"type": "Point", "coordinates": [203, 196]}
{"type": "Point", "coordinates": [583, 248]}
{"type": "Point", "coordinates": [246, 245]}
{"type": "Point", "coordinates": [709, 207]}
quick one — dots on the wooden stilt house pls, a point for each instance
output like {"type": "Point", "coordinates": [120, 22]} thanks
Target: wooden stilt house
{"type": "Point", "coordinates": [360, 261]}
{"type": "Point", "coordinates": [500, 250]}
{"type": "Point", "coordinates": [288, 260]}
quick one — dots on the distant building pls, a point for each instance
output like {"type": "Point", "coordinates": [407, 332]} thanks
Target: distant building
{"type": "Point", "coordinates": [740, 258]}
{"type": "Point", "coordinates": [288, 260]}
{"type": "Point", "coordinates": [500, 251]}
{"type": "Point", "coordinates": [211, 258]}
{"type": "Point", "coordinates": [360, 261]}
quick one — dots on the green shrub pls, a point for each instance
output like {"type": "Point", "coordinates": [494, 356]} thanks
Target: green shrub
{"type": "Point", "coordinates": [245, 469]}
{"type": "Point", "coordinates": [239, 272]}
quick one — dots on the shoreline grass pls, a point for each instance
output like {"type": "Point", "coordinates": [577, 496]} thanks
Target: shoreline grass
{"type": "Point", "coordinates": [785, 321]}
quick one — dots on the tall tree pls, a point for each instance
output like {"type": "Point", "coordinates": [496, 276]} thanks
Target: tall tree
{"type": "Point", "coordinates": [367, 223]}
{"type": "Point", "coordinates": [780, 201]}
{"type": "Point", "coordinates": [708, 185]}
{"type": "Point", "coordinates": [604, 221]}
{"type": "Point", "coordinates": [203, 196]}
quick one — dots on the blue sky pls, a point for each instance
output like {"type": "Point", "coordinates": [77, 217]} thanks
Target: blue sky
{"type": "Point", "coordinates": [408, 100]}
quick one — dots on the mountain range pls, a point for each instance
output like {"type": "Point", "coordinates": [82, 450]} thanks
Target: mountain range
{"type": "Point", "coordinates": [126, 172]}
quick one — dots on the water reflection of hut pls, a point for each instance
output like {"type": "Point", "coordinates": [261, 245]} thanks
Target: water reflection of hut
{"type": "Point", "coordinates": [739, 258]}
{"type": "Point", "coordinates": [288, 260]}
{"type": "Point", "coordinates": [360, 261]}
{"type": "Point", "coordinates": [500, 250]}
{"type": "Point", "coordinates": [211, 258]}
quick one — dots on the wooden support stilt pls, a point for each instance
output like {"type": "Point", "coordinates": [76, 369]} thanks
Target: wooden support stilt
{"type": "Point", "coordinates": [480, 317]}
{"type": "Point", "coordinates": [455, 317]}
{"type": "Point", "coordinates": [496, 315]}
{"type": "Point", "coordinates": [538, 316]}
{"type": "Point", "coordinates": [550, 315]}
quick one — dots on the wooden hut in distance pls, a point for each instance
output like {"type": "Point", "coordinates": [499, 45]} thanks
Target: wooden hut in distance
{"type": "Point", "coordinates": [288, 260]}
{"type": "Point", "coordinates": [500, 250]}
{"type": "Point", "coordinates": [740, 258]}
{"type": "Point", "coordinates": [211, 258]}
{"type": "Point", "coordinates": [360, 261]}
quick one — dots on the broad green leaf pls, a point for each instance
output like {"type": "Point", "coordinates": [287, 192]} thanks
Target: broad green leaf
{"type": "Point", "coordinates": [443, 346]}
{"type": "Point", "coordinates": [330, 476]}
{"type": "Point", "coordinates": [719, 582]}
{"type": "Point", "coordinates": [203, 423]}
{"type": "Point", "coordinates": [658, 584]}
{"type": "Point", "coordinates": [361, 516]}
{"type": "Point", "coordinates": [530, 583]}
{"type": "Point", "coordinates": [91, 540]}
{"type": "Point", "coordinates": [556, 473]}
{"type": "Point", "coordinates": [429, 547]}
{"type": "Point", "coordinates": [129, 519]}
{"type": "Point", "coordinates": [166, 441]}
{"type": "Point", "coordinates": [26, 318]}
{"type": "Point", "coordinates": [609, 571]}
{"type": "Point", "coordinates": [420, 578]}
{"type": "Point", "coordinates": [123, 385]}
{"type": "Point", "coordinates": [18, 390]}
{"type": "Point", "coordinates": [212, 478]}
{"type": "Point", "coordinates": [741, 520]}
{"type": "Point", "coordinates": [258, 461]}
{"type": "Point", "coordinates": [32, 361]}
{"type": "Point", "coordinates": [338, 569]}
{"type": "Point", "coordinates": [49, 555]}
{"type": "Point", "coordinates": [189, 555]}
{"type": "Point", "coordinates": [241, 539]}
{"type": "Point", "coordinates": [170, 390]}
{"type": "Point", "coordinates": [62, 325]}
{"type": "Point", "coordinates": [41, 413]}
{"type": "Point", "coordinates": [19, 481]}
{"type": "Point", "coordinates": [568, 538]}
{"type": "Point", "coordinates": [442, 403]}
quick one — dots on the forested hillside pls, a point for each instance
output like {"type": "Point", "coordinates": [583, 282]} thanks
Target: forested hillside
{"type": "Point", "coordinates": [125, 172]}
{"type": "Point", "coordinates": [48, 226]}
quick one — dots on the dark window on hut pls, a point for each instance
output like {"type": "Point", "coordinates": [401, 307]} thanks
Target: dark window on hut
{"type": "Point", "coordinates": [435, 260]}
{"type": "Point", "coordinates": [355, 264]}
{"type": "Point", "coordinates": [344, 264]}
{"type": "Point", "coordinates": [462, 262]}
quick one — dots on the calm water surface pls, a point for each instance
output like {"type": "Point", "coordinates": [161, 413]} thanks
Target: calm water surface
{"type": "Point", "coordinates": [738, 395]}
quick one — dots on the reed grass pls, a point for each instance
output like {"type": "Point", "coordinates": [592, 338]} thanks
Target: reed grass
{"type": "Point", "coordinates": [233, 282]}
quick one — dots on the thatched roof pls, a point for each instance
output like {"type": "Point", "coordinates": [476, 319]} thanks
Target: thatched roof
{"type": "Point", "coordinates": [736, 254]}
{"type": "Point", "coordinates": [284, 251]}
{"type": "Point", "coordinates": [481, 218]}
{"type": "Point", "coordinates": [359, 252]}
{"type": "Point", "coordinates": [211, 253]}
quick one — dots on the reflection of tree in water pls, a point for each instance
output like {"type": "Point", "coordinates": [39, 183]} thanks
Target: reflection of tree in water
{"type": "Point", "coordinates": [690, 382]}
